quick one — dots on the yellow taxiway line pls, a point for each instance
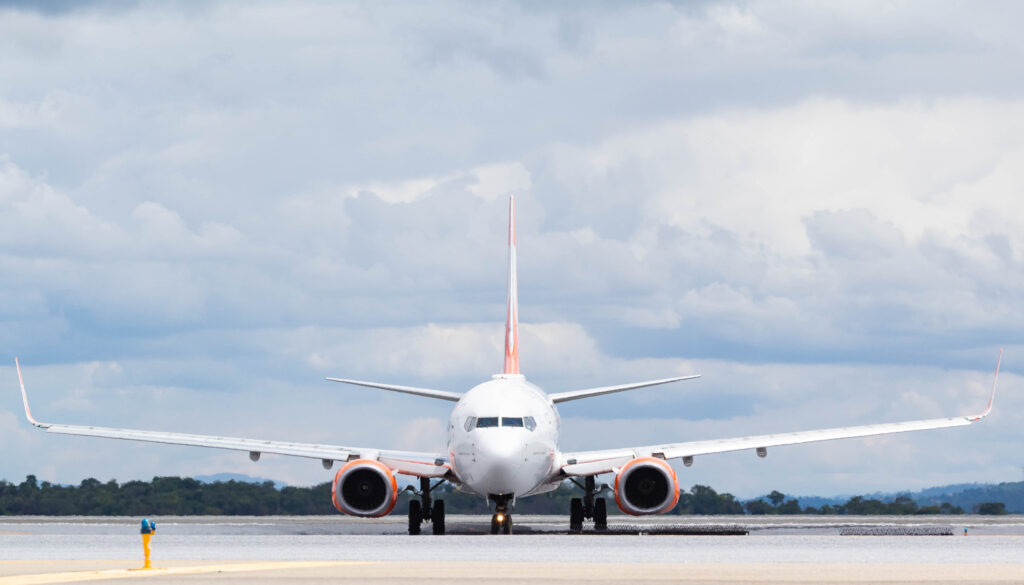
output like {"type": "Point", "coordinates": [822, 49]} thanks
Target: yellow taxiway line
{"type": "Point", "coordinates": [79, 576]}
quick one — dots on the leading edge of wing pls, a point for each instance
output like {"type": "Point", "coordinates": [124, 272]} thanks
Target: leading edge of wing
{"type": "Point", "coordinates": [604, 461]}
{"type": "Point", "coordinates": [588, 392]}
{"type": "Point", "coordinates": [594, 462]}
{"type": "Point", "coordinates": [409, 462]}
{"type": "Point", "coordinates": [412, 463]}
{"type": "Point", "coordinates": [310, 450]}
{"type": "Point", "coordinates": [428, 392]}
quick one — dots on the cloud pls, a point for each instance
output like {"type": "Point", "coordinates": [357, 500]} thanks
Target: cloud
{"type": "Point", "coordinates": [59, 7]}
{"type": "Point", "coordinates": [763, 214]}
{"type": "Point", "coordinates": [854, 234]}
{"type": "Point", "coordinates": [203, 211]}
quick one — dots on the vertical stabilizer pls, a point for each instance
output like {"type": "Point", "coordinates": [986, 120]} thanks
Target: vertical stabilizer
{"type": "Point", "coordinates": [512, 310]}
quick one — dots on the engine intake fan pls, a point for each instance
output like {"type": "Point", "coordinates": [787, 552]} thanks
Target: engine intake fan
{"type": "Point", "coordinates": [646, 486]}
{"type": "Point", "coordinates": [364, 488]}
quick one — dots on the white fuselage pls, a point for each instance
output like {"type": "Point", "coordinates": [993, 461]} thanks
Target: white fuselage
{"type": "Point", "coordinates": [503, 438]}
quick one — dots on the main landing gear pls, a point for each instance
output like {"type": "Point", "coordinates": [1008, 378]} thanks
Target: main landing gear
{"type": "Point", "coordinates": [588, 507]}
{"type": "Point", "coordinates": [424, 509]}
{"type": "Point", "coordinates": [501, 522]}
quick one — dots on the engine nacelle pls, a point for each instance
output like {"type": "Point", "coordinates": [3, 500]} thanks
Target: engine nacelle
{"type": "Point", "coordinates": [364, 488]}
{"type": "Point", "coordinates": [646, 486]}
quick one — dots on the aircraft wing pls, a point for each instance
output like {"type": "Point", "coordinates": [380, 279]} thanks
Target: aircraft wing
{"type": "Point", "coordinates": [595, 462]}
{"type": "Point", "coordinates": [420, 464]}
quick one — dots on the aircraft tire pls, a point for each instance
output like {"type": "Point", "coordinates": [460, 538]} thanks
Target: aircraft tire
{"type": "Point", "coordinates": [506, 528]}
{"type": "Point", "coordinates": [415, 517]}
{"type": "Point", "coordinates": [437, 517]}
{"type": "Point", "coordinates": [576, 515]}
{"type": "Point", "coordinates": [600, 514]}
{"type": "Point", "coordinates": [495, 527]}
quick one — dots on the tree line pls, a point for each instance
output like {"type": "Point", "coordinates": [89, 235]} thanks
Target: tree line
{"type": "Point", "coordinates": [176, 496]}
{"type": "Point", "coordinates": [168, 496]}
{"type": "Point", "coordinates": [778, 503]}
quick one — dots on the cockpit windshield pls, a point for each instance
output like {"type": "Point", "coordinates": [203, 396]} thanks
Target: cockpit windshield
{"type": "Point", "coordinates": [483, 422]}
{"type": "Point", "coordinates": [486, 421]}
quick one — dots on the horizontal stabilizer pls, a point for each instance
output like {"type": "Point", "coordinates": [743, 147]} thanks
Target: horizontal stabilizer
{"type": "Point", "coordinates": [587, 393]}
{"type": "Point", "coordinates": [429, 393]}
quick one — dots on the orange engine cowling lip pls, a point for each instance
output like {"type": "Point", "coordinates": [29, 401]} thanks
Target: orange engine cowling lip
{"type": "Point", "coordinates": [644, 462]}
{"type": "Point", "coordinates": [382, 510]}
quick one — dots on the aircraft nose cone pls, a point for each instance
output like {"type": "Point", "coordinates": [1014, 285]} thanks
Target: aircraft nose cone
{"type": "Point", "coordinates": [500, 461]}
{"type": "Point", "coordinates": [501, 449]}
{"type": "Point", "coordinates": [499, 478]}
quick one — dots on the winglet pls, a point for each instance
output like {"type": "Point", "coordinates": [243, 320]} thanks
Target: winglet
{"type": "Point", "coordinates": [992, 396]}
{"type": "Point", "coordinates": [512, 313]}
{"type": "Point", "coordinates": [24, 398]}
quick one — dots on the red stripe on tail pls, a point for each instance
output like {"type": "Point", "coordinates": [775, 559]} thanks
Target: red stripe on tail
{"type": "Point", "coordinates": [512, 309]}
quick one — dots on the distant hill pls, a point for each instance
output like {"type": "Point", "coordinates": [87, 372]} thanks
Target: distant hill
{"type": "Point", "coordinates": [965, 495]}
{"type": "Point", "coordinates": [818, 501]}
{"type": "Point", "coordinates": [1009, 493]}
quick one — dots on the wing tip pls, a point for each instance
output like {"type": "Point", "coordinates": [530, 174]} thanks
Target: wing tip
{"type": "Point", "coordinates": [24, 397]}
{"type": "Point", "coordinates": [992, 394]}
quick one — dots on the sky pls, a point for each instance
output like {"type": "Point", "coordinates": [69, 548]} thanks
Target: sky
{"type": "Point", "coordinates": [208, 207]}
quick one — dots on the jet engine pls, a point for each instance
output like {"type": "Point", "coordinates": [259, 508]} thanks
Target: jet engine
{"type": "Point", "coordinates": [364, 488]}
{"type": "Point", "coordinates": [646, 486]}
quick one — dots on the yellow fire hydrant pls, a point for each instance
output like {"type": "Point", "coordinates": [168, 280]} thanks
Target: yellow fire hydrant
{"type": "Point", "coordinates": [148, 530]}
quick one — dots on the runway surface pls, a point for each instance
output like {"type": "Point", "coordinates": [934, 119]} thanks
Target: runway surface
{"type": "Point", "coordinates": [341, 549]}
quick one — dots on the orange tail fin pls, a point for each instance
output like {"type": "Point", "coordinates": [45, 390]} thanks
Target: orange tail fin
{"type": "Point", "coordinates": [512, 317]}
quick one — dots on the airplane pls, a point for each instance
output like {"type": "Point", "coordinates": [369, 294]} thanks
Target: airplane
{"type": "Point", "coordinates": [503, 445]}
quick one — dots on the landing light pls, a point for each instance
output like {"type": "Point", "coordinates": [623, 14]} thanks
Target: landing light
{"type": "Point", "coordinates": [501, 518]}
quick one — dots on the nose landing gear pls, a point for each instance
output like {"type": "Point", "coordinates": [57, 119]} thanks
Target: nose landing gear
{"type": "Point", "coordinates": [501, 521]}
{"type": "Point", "coordinates": [588, 507]}
{"type": "Point", "coordinates": [425, 509]}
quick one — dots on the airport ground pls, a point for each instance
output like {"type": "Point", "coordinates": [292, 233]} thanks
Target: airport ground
{"type": "Point", "coordinates": [346, 550]}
